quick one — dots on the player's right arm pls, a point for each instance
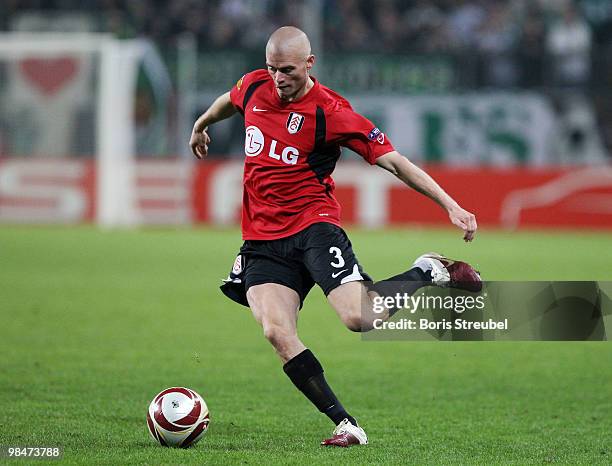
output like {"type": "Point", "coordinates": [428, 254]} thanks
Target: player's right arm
{"type": "Point", "coordinates": [221, 109]}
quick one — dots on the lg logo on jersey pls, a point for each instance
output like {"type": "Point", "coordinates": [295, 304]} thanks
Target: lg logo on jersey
{"type": "Point", "coordinates": [254, 143]}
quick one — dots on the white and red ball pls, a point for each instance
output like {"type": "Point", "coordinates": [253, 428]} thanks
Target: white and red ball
{"type": "Point", "coordinates": [177, 417]}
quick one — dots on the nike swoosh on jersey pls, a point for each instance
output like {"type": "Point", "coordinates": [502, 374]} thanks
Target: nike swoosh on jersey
{"type": "Point", "coordinates": [255, 109]}
{"type": "Point", "coordinates": [334, 275]}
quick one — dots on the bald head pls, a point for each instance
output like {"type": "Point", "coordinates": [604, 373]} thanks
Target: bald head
{"type": "Point", "coordinates": [288, 41]}
{"type": "Point", "coordinates": [289, 61]}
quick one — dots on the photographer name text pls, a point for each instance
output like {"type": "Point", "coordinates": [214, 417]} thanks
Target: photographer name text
{"type": "Point", "coordinates": [426, 324]}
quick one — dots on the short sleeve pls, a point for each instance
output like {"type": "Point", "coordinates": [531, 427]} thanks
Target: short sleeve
{"type": "Point", "coordinates": [352, 130]}
{"type": "Point", "coordinates": [245, 86]}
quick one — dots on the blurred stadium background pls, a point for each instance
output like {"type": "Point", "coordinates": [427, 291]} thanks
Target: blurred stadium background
{"type": "Point", "coordinates": [509, 104]}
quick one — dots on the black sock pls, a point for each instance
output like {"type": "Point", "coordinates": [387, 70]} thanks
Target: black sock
{"type": "Point", "coordinates": [306, 373]}
{"type": "Point", "coordinates": [404, 283]}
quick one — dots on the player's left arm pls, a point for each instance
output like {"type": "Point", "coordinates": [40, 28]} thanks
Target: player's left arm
{"type": "Point", "coordinates": [419, 180]}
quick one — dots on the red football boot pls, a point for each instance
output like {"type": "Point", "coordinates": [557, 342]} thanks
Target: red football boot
{"type": "Point", "coordinates": [345, 435]}
{"type": "Point", "coordinates": [447, 272]}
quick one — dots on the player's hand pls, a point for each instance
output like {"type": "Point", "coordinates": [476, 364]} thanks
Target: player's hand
{"type": "Point", "coordinates": [464, 220]}
{"type": "Point", "coordinates": [199, 143]}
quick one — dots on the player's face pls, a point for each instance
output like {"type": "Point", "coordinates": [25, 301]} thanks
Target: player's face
{"type": "Point", "coordinates": [290, 73]}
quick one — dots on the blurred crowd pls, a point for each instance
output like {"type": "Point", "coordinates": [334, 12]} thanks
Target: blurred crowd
{"type": "Point", "coordinates": [456, 25]}
{"type": "Point", "coordinates": [389, 25]}
{"type": "Point", "coordinates": [516, 40]}
{"type": "Point", "coordinates": [214, 23]}
{"type": "Point", "coordinates": [498, 31]}
{"type": "Point", "coordinates": [507, 36]}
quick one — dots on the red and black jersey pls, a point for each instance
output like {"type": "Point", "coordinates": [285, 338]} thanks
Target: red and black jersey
{"type": "Point", "coordinates": [291, 150]}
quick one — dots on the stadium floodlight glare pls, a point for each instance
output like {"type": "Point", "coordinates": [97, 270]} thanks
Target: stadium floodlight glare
{"type": "Point", "coordinates": [50, 76]}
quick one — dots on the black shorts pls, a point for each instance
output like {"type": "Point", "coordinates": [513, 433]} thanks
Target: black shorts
{"type": "Point", "coordinates": [321, 254]}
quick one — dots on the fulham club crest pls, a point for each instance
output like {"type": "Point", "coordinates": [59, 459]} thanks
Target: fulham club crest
{"type": "Point", "coordinates": [294, 122]}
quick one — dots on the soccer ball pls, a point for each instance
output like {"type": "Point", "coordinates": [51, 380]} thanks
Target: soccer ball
{"type": "Point", "coordinates": [177, 417]}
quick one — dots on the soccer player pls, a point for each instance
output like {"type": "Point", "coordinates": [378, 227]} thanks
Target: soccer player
{"type": "Point", "coordinates": [294, 127]}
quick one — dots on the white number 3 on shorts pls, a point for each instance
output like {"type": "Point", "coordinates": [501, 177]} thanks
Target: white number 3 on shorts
{"type": "Point", "coordinates": [337, 256]}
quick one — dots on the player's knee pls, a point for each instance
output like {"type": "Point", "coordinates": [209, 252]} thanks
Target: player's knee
{"type": "Point", "coordinates": [352, 321]}
{"type": "Point", "coordinates": [354, 326]}
{"type": "Point", "coordinates": [276, 335]}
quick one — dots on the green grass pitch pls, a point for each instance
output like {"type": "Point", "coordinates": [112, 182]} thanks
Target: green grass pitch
{"type": "Point", "coordinates": [95, 323]}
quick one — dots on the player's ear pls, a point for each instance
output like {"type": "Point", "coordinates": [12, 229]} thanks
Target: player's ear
{"type": "Point", "coordinates": [310, 61]}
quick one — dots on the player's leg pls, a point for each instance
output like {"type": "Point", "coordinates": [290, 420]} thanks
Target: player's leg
{"type": "Point", "coordinates": [276, 308]}
{"type": "Point", "coordinates": [354, 301]}
{"type": "Point", "coordinates": [330, 259]}
{"type": "Point", "coordinates": [333, 265]}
